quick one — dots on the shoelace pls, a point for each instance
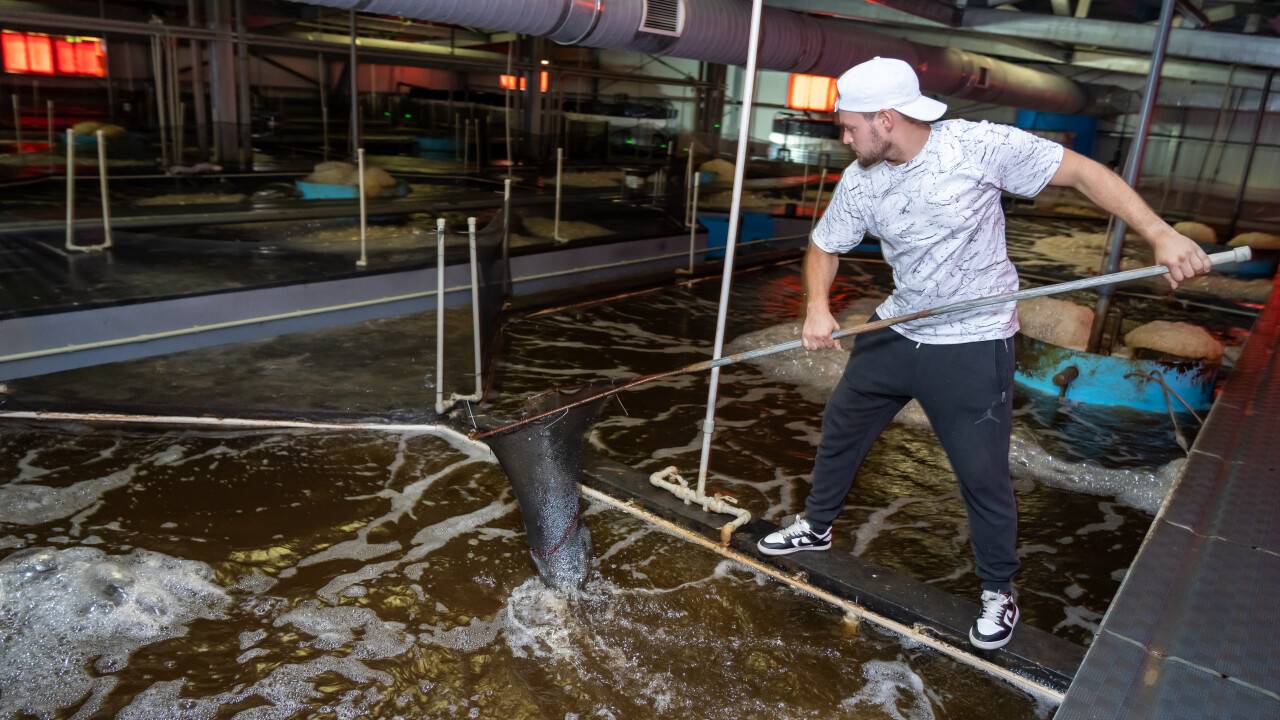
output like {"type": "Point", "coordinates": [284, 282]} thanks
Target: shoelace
{"type": "Point", "coordinates": [796, 529]}
{"type": "Point", "coordinates": [993, 608]}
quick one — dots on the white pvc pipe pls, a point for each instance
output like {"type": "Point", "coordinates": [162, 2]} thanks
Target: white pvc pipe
{"type": "Point", "coordinates": [106, 197]}
{"type": "Point", "coordinates": [439, 315]}
{"type": "Point", "coordinates": [71, 189]}
{"type": "Point", "coordinates": [693, 227]}
{"type": "Point", "coordinates": [735, 212]}
{"type": "Point", "coordinates": [475, 303]}
{"type": "Point", "coordinates": [364, 213]}
{"type": "Point", "coordinates": [688, 187]}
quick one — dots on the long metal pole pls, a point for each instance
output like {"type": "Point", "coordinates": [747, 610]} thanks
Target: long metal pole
{"type": "Point", "coordinates": [1253, 148]}
{"type": "Point", "coordinates": [688, 187]}
{"type": "Point", "coordinates": [1133, 168]}
{"type": "Point", "coordinates": [48, 110]}
{"type": "Point", "coordinates": [475, 304]}
{"type": "Point", "coordinates": [244, 112]}
{"type": "Point", "coordinates": [71, 189]}
{"type": "Point", "coordinates": [735, 210]}
{"type": "Point", "coordinates": [197, 85]}
{"type": "Point", "coordinates": [693, 227]}
{"type": "Point", "coordinates": [157, 74]}
{"type": "Point", "coordinates": [106, 196]}
{"type": "Point", "coordinates": [1227, 93]}
{"type": "Point", "coordinates": [555, 227]}
{"type": "Point", "coordinates": [355, 89]}
{"type": "Point", "coordinates": [364, 212]}
{"type": "Point", "coordinates": [322, 82]}
{"type": "Point", "coordinates": [1177, 142]}
{"type": "Point", "coordinates": [1238, 255]}
{"type": "Point", "coordinates": [439, 315]}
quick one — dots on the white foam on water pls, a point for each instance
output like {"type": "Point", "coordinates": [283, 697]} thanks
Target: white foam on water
{"type": "Point", "coordinates": [335, 627]}
{"type": "Point", "coordinates": [894, 688]}
{"type": "Point", "coordinates": [63, 608]}
{"type": "Point", "coordinates": [402, 503]}
{"type": "Point", "coordinates": [28, 471]}
{"type": "Point", "coordinates": [433, 537]}
{"type": "Point", "coordinates": [878, 522]}
{"type": "Point", "coordinates": [339, 585]}
{"type": "Point", "coordinates": [27, 504]}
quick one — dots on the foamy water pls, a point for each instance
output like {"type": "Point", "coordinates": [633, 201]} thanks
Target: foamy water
{"type": "Point", "coordinates": [288, 602]}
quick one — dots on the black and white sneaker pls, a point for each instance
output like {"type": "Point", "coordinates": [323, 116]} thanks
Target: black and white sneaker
{"type": "Point", "coordinates": [794, 538]}
{"type": "Point", "coordinates": [994, 626]}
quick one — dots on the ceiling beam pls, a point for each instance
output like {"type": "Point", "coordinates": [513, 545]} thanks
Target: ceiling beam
{"type": "Point", "coordinates": [1201, 45]}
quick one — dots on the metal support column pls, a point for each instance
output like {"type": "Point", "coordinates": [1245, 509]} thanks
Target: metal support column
{"type": "Point", "coordinates": [222, 85]}
{"type": "Point", "coordinates": [197, 85]}
{"type": "Point", "coordinates": [735, 213]}
{"type": "Point", "coordinates": [352, 68]}
{"type": "Point", "coordinates": [1133, 168]}
{"type": "Point", "coordinates": [244, 116]}
{"type": "Point", "coordinates": [1253, 148]}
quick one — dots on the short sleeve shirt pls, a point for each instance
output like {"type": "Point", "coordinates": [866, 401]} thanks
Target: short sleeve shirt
{"type": "Point", "coordinates": [941, 226]}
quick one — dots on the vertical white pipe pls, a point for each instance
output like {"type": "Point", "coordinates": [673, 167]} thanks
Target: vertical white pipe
{"type": "Point", "coordinates": [439, 315]}
{"type": "Point", "coordinates": [693, 227]}
{"type": "Point", "coordinates": [158, 82]}
{"type": "Point", "coordinates": [817, 201]}
{"type": "Point", "coordinates": [506, 110]}
{"type": "Point", "coordinates": [555, 231]}
{"type": "Point", "coordinates": [48, 109]}
{"type": "Point", "coordinates": [735, 211]}
{"type": "Point", "coordinates": [506, 236]}
{"type": "Point", "coordinates": [322, 82]}
{"type": "Point", "coordinates": [71, 188]}
{"type": "Point", "coordinates": [364, 213]}
{"type": "Point", "coordinates": [688, 187]}
{"type": "Point", "coordinates": [106, 197]}
{"type": "Point", "coordinates": [475, 303]}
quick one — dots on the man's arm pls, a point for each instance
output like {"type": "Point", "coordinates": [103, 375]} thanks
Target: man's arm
{"type": "Point", "coordinates": [819, 272]}
{"type": "Point", "coordinates": [1108, 191]}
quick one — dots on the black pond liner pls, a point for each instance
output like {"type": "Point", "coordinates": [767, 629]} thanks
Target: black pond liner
{"type": "Point", "coordinates": [543, 462]}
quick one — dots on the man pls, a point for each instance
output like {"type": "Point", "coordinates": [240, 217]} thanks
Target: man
{"type": "Point", "coordinates": [931, 192]}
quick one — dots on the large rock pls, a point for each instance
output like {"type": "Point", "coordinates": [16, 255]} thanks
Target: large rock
{"type": "Point", "coordinates": [1197, 231]}
{"type": "Point", "coordinates": [1175, 338]}
{"type": "Point", "coordinates": [723, 169]}
{"type": "Point", "coordinates": [1056, 321]}
{"type": "Point", "coordinates": [1256, 240]}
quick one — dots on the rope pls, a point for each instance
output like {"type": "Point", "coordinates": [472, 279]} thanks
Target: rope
{"type": "Point", "coordinates": [1158, 377]}
{"type": "Point", "coordinates": [569, 529]}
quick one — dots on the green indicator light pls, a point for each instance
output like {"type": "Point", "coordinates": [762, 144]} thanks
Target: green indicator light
{"type": "Point", "coordinates": [631, 141]}
{"type": "Point", "coordinates": [408, 116]}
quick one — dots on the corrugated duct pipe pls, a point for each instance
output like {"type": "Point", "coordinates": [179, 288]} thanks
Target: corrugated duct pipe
{"type": "Point", "coordinates": [716, 31]}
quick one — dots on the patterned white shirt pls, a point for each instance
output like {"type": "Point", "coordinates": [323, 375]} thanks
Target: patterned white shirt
{"type": "Point", "coordinates": [941, 226]}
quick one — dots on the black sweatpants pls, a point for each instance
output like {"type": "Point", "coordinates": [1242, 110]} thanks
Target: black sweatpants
{"type": "Point", "coordinates": [967, 391]}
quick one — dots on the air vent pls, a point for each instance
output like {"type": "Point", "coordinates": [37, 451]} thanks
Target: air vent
{"type": "Point", "coordinates": [662, 17]}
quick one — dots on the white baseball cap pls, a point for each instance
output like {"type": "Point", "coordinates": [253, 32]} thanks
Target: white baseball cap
{"type": "Point", "coordinates": [885, 84]}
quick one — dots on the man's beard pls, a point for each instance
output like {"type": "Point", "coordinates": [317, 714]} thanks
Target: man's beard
{"type": "Point", "coordinates": [879, 146]}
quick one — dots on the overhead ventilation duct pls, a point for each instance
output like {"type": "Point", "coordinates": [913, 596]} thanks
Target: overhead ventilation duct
{"type": "Point", "coordinates": [716, 31]}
